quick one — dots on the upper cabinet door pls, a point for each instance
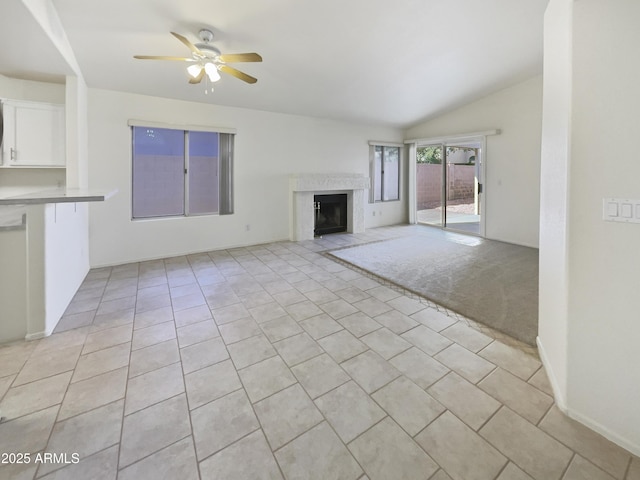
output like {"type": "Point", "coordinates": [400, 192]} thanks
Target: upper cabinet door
{"type": "Point", "coordinates": [34, 134]}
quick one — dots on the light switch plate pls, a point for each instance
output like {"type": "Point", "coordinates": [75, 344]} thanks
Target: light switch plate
{"type": "Point", "coordinates": [621, 210]}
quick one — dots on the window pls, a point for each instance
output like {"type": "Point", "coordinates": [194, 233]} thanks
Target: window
{"type": "Point", "coordinates": [385, 173]}
{"type": "Point", "coordinates": [181, 172]}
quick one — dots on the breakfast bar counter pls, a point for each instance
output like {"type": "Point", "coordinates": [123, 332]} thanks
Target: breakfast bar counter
{"type": "Point", "coordinates": [44, 257]}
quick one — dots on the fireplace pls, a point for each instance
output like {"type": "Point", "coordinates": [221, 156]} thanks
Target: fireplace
{"type": "Point", "coordinates": [330, 213]}
{"type": "Point", "coordinates": [304, 188]}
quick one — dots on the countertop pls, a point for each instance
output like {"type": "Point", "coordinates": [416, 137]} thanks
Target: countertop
{"type": "Point", "coordinates": [59, 195]}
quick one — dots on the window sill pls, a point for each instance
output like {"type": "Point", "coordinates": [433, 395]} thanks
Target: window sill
{"type": "Point", "coordinates": [173, 217]}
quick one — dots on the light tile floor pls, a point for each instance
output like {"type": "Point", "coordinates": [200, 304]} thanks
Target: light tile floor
{"type": "Point", "coordinates": [274, 361]}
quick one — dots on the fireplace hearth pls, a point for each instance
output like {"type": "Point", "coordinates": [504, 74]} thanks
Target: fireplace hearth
{"type": "Point", "coordinates": [330, 214]}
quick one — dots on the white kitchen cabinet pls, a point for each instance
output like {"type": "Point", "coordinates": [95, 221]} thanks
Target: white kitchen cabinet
{"type": "Point", "coordinates": [34, 134]}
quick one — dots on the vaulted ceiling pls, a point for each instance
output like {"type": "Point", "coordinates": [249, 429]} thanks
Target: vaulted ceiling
{"type": "Point", "coordinates": [372, 61]}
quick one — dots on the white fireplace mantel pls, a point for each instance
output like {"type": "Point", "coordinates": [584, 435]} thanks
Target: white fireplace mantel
{"type": "Point", "coordinates": [304, 186]}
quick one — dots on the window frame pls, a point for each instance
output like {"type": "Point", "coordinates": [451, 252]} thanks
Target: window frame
{"type": "Point", "coordinates": [226, 150]}
{"type": "Point", "coordinates": [374, 174]}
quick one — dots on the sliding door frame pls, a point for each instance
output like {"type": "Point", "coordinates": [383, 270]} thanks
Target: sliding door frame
{"type": "Point", "coordinates": [449, 141]}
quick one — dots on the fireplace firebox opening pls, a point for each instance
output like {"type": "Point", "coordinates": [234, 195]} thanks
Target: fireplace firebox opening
{"type": "Point", "coordinates": [330, 213]}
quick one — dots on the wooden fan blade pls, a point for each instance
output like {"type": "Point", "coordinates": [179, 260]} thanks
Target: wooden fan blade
{"type": "Point", "coordinates": [240, 57]}
{"type": "Point", "coordinates": [191, 46]}
{"type": "Point", "coordinates": [160, 57]}
{"type": "Point", "coordinates": [198, 79]}
{"type": "Point", "coordinates": [238, 74]}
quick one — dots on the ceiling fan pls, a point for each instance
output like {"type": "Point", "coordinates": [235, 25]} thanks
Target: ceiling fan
{"type": "Point", "coordinates": [207, 60]}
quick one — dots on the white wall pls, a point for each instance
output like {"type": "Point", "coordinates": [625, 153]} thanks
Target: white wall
{"type": "Point", "coordinates": [66, 225]}
{"type": "Point", "coordinates": [76, 116]}
{"type": "Point", "coordinates": [66, 257]}
{"type": "Point", "coordinates": [602, 324]}
{"type": "Point", "coordinates": [268, 148]}
{"type": "Point", "coordinates": [512, 158]}
{"type": "Point", "coordinates": [604, 305]}
{"type": "Point", "coordinates": [554, 190]}
{"type": "Point", "coordinates": [18, 181]}
{"type": "Point", "coordinates": [17, 89]}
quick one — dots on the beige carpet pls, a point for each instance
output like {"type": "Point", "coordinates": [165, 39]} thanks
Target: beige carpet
{"type": "Point", "coordinates": [492, 282]}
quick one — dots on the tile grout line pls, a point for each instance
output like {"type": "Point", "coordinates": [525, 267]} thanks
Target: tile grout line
{"type": "Point", "coordinates": [303, 390]}
{"type": "Point", "coordinates": [566, 468]}
{"type": "Point", "coordinates": [504, 467]}
{"type": "Point", "coordinates": [506, 456]}
{"type": "Point", "coordinates": [391, 416]}
{"type": "Point", "coordinates": [280, 254]}
{"type": "Point", "coordinates": [260, 428]}
{"type": "Point", "coordinates": [56, 421]}
{"type": "Point", "coordinates": [494, 369]}
{"type": "Point", "coordinates": [184, 383]}
{"type": "Point", "coordinates": [436, 418]}
{"type": "Point", "coordinates": [119, 470]}
{"type": "Point", "coordinates": [625, 476]}
{"type": "Point", "coordinates": [410, 293]}
{"type": "Point", "coordinates": [126, 389]}
{"type": "Point", "coordinates": [369, 395]}
{"type": "Point", "coordinates": [574, 451]}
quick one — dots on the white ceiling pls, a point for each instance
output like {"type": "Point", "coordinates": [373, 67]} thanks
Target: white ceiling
{"type": "Point", "coordinates": [25, 50]}
{"type": "Point", "coordinates": [373, 61]}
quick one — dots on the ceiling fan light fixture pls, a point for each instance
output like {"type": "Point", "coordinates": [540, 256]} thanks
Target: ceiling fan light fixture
{"type": "Point", "coordinates": [206, 60]}
{"type": "Point", "coordinates": [194, 70]}
{"type": "Point", "coordinates": [212, 71]}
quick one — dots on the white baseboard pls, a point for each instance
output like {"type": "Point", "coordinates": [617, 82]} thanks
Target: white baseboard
{"type": "Point", "coordinates": [605, 432]}
{"type": "Point", "coordinates": [558, 394]}
{"type": "Point", "coordinates": [561, 403]}
{"type": "Point", "coordinates": [190, 252]}
{"type": "Point", "coordinates": [37, 335]}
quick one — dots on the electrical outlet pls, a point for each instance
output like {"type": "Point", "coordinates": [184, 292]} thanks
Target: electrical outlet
{"type": "Point", "coordinates": [247, 227]}
{"type": "Point", "coordinates": [374, 213]}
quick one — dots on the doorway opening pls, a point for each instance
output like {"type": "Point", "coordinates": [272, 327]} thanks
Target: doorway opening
{"type": "Point", "coordinates": [449, 186]}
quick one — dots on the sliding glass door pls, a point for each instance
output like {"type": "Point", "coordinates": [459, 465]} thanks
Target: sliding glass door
{"type": "Point", "coordinates": [449, 186]}
{"type": "Point", "coordinates": [430, 185]}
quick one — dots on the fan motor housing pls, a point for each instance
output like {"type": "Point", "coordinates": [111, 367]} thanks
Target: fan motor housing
{"type": "Point", "coordinates": [209, 50]}
{"type": "Point", "coordinates": [205, 47]}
